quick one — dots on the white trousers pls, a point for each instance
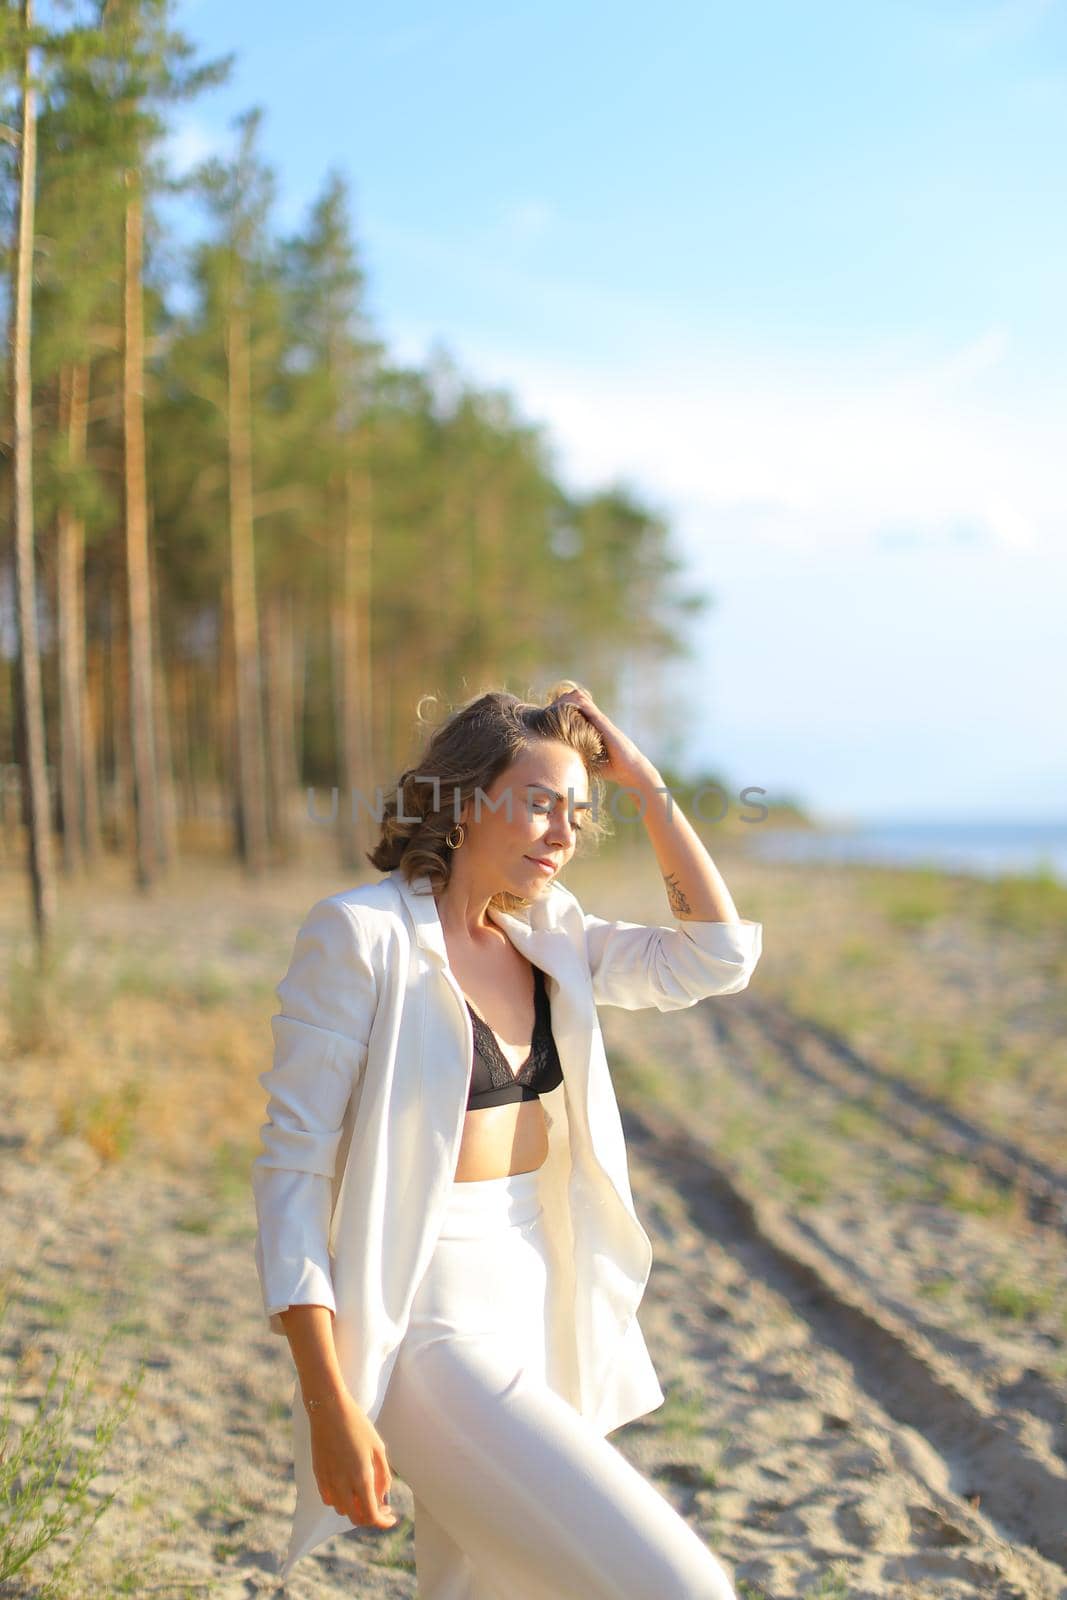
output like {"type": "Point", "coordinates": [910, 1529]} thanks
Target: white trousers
{"type": "Point", "coordinates": [516, 1496]}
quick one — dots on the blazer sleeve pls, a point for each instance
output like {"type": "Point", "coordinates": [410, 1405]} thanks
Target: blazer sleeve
{"type": "Point", "coordinates": [328, 999]}
{"type": "Point", "coordinates": [635, 965]}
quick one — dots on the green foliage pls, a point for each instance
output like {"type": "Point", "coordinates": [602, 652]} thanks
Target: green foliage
{"type": "Point", "coordinates": [395, 1547]}
{"type": "Point", "coordinates": [1027, 901]}
{"type": "Point", "coordinates": [966, 1059]}
{"type": "Point", "coordinates": [833, 1585]}
{"type": "Point", "coordinates": [1021, 1301]}
{"type": "Point", "coordinates": [804, 1163]}
{"type": "Point", "coordinates": [37, 995]}
{"type": "Point", "coordinates": [859, 955]}
{"type": "Point", "coordinates": [415, 501]}
{"type": "Point", "coordinates": [47, 1472]}
{"type": "Point", "coordinates": [683, 1413]}
{"type": "Point", "coordinates": [913, 898]}
{"type": "Point", "coordinates": [937, 1288]}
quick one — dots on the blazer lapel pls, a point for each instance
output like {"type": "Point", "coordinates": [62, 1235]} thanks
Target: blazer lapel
{"type": "Point", "coordinates": [531, 930]}
{"type": "Point", "coordinates": [418, 897]}
{"type": "Point", "coordinates": [548, 947]}
{"type": "Point", "coordinates": [534, 932]}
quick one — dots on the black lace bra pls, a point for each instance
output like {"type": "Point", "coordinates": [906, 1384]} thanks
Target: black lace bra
{"type": "Point", "coordinates": [493, 1082]}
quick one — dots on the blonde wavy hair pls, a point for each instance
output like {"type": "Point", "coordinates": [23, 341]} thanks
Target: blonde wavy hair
{"type": "Point", "coordinates": [468, 751]}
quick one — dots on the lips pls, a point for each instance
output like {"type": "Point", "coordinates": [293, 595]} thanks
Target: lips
{"type": "Point", "coordinates": [548, 867]}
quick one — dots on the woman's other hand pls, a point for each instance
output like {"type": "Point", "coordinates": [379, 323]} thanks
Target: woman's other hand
{"type": "Point", "coordinates": [349, 1461]}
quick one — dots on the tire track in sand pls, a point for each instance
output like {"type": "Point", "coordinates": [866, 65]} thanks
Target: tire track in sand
{"type": "Point", "coordinates": [746, 1034]}
{"type": "Point", "coordinates": [1022, 1489]}
{"type": "Point", "coordinates": [824, 1057]}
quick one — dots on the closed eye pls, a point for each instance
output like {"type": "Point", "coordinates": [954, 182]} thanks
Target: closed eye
{"type": "Point", "coordinates": [544, 806]}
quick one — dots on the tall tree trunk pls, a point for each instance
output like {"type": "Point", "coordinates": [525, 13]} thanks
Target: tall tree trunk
{"type": "Point", "coordinates": [122, 796]}
{"type": "Point", "coordinates": [167, 841]}
{"type": "Point", "coordinates": [356, 755]}
{"type": "Point", "coordinates": [9, 834]}
{"type": "Point", "coordinates": [378, 704]}
{"type": "Point", "coordinates": [70, 723]}
{"type": "Point", "coordinates": [300, 673]}
{"type": "Point", "coordinates": [201, 740]}
{"type": "Point", "coordinates": [180, 723]}
{"type": "Point", "coordinates": [281, 731]}
{"type": "Point", "coordinates": [73, 765]}
{"type": "Point", "coordinates": [454, 589]}
{"type": "Point", "coordinates": [228, 764]}
{"type": "Point", "coordinates": [91, 742]}
{"type": "Point", "coordinates": [142, 732]}
{"type": "Point", "coordinates": [336, 603]}
{"type": "Point", "coordinates": [251, 766]}
{"type": "Point", "coordinates": [488, 569]}
{"type": "Point", "coordinates": [383, 707]}
{"type": "Point", "coordinates": [42, 874]}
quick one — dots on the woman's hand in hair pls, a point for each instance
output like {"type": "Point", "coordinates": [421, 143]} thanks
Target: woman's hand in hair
{"type": "Point", "coordinates": [625, 764]}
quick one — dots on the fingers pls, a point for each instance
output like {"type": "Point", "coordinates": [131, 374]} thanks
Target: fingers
{"type": "Point", "coordinates": [361, 1502]}
{"type": "Point", "coordinates": [383, 1478]}
{"type": "Point", "coordinates": [383, 1483]}
{"type": "Point", "coordinates": [360, 1505]}
{"type": "Point", "coordinates": [584, 702]}
{"type": "Point", "coordinates": [374, 1514]}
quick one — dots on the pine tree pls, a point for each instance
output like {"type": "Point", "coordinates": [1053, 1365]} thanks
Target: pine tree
{"type": "Point", "coordinates": [31, 722]}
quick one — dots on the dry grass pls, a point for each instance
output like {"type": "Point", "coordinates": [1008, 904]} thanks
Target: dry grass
{"type": "Point", "coordinates": [144, 1034]}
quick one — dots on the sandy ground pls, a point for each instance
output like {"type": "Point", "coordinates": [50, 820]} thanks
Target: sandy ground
{"type": "Point", "coordinates": [867, 1388]}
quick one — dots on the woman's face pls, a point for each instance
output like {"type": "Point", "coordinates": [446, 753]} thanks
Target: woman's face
{"type": "Point", "coordinates": [533, 811]}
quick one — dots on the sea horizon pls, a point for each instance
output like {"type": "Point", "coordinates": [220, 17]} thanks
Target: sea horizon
{"type": "Point", "coordinates": [986, 847]}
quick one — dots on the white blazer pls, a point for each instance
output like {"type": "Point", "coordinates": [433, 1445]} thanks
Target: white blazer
{"type": "Point", "coordinates": [373, 1051]}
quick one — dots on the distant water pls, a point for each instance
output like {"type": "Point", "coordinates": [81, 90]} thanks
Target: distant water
{"type": "Point", "coordinates": [988, 849]}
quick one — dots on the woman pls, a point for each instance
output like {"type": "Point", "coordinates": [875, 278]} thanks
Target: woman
{"type": "Point", "coordinates": [446, 1230]}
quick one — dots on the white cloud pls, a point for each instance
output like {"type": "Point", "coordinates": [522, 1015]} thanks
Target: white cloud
{"type": "Point", "coordinates": [879, 533]}
{"type": "Point", "coordinates": [955, 369]}
{"type": "Point", "coordinates": [798, 460]}
{"type": "Point", "coordinates": [188, 142]}
{"type": "Point", "coordinates": [833, 445]}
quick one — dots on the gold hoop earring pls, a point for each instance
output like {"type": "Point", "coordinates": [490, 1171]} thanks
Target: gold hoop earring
{"type": "Point", "coordinates": [454, 844]}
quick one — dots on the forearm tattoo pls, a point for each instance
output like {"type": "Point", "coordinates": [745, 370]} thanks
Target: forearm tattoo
{"type": "Point", "coordinates": [676, 896]}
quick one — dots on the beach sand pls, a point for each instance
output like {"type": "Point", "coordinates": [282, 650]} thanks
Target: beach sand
{"type": "Point", "coordinates": [860, 1330]}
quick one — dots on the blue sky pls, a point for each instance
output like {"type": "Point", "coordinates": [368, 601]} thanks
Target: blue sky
{"type": "Point", "coordinates": [795, 273]}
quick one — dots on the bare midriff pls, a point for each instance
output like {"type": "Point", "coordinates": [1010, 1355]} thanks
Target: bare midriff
{"type": "Point", "coordinates": [500, 1140]}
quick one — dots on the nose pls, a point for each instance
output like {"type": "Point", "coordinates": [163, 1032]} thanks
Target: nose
{"type": "Point", "coordinates": [561, 831]}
